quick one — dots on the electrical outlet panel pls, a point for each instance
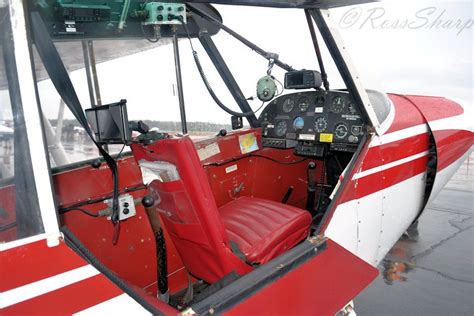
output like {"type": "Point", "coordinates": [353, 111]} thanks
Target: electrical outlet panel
{"type": "Point", "coordinates": [126, 206]}
{"type": "Point", "coordinates": [163, 13]}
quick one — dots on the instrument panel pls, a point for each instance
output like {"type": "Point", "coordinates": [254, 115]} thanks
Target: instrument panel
{"type": "Point", "coordinates": [306, 119]}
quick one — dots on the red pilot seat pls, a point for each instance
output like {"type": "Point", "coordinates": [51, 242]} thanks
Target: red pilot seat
{"type": "Point", "coordinates": [212, 241]}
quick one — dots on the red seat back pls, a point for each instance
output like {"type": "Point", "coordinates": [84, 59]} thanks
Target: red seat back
{"type": "Point", "coordinates": [189, 212]}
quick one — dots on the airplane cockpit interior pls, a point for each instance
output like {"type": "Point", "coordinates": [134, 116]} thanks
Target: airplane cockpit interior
{"type": "Point", "coordinates": [180, 216]}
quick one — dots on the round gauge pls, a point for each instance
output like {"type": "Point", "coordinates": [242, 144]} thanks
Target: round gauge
{"type": "Point", "coordinates": [341, 131]}
{"type": "Point", "coordinates": [298, 123]}
{"type": "Point", "coordinates": [338, 104]}
{"type": "Point", "coordinates": [281, 128]}
{"type": "Point", "coordinates": [319, 101]}
{"type": "Point", "coordinates": [303, 104]}
{"type": "Point", "coordinates": [320, 124]}
{"type": "Point", "coordinates": [352, 108]}
{"type": "Point", "coordinates": [288, 105]}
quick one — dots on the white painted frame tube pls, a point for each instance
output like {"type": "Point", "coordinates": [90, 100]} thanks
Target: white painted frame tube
{"type": "Point", "coordinates": [35, 135]}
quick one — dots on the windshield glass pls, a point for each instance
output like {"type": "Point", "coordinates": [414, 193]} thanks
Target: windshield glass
{"type": "Point", "coordinates": [19, 211]}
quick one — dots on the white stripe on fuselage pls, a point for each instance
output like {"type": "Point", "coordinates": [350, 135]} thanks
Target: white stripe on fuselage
{"type": "Point", "coordinates": [399, 135]}
{"type": "Point", "coordinates": [453, 122]}
{"type": "Point", "coordinates": [31, 290]}
{"type": "Point", "coordinates": [392, 164]}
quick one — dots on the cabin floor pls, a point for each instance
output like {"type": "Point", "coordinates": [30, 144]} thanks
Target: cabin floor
{"type": "Point", "coordinates": [431, 273]}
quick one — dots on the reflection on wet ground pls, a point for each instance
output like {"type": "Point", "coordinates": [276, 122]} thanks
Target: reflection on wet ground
{"type": "Point", "coordinates": [430, 270]}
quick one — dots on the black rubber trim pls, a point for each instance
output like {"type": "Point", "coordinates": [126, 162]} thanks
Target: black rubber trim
{"type": "Point", "coordinates": [433, 152]}
{"type": "Point", "coordinates": [249, 284]}
{"type": "Point", "coordinates": [75, 244]}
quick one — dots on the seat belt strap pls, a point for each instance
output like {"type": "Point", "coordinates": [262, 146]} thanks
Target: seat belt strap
{"type": "Point", "coordinates": [62, 82]}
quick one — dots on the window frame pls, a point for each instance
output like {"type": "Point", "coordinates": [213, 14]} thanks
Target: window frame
{"type": "Point", "coordinates": [34, 129]}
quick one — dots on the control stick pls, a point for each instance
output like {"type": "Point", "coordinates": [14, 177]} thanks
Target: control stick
{"type": "Point", "coordinates": [162, 264]}
{"type": "Point", "coordinates": [311, 176]}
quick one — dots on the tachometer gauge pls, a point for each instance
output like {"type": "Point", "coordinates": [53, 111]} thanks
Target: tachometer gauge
{"type": "Point", "coordinates": [341, 131]}
{"type": "Point", "coordinates": [303, 104]}
{"type": "Point", "coordinates": [298, 123]}
{"type": "Point", "coordinates": [320, 124]}
{"type": "Point", "coordinates": [338, 104]}
{"type": "Point", "coordinates": [281, 128]}
{"type": "Point", "coordinates": [288, 105]}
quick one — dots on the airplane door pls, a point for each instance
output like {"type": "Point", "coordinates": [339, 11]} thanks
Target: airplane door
{"type": "Point", "coordinates": [318, 277]}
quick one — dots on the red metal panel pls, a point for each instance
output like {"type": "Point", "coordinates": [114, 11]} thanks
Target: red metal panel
{"type": "Point", "coordinates": [321, 286]}
{"type": "Point", "coordinates": [406, 115]}
{"type": "Point", "coordinates": [387, 178]}
{"type": "Point", "coordinates": [435, 108]}
{"type": "Point", "coordinates": [396, 150]}
{"type": "Point", "coordinates": [272, 179]}
{"type": "Point", "coordinates": [229, 145]}
{"type": "Point", "coordinates": [452, 145]}
{"type": "Point", "coordinates": [134, 256]}
{"type": "Point", "coordinates": [85, 183]}
{"type": "Point", "coordinates": [7, 213]}
{"type": "Point", "coordinates": [136, 242]}
{"type": "Point", "coordinates": [451, 141]}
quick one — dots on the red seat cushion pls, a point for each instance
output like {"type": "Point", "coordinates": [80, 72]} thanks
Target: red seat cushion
{"type": "Point", "coordinates": [264, 229]}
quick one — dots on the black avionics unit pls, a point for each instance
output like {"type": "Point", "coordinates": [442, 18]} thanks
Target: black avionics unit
{"type": "Point", "coordinates": [303, 79]}
{"type": "Point", "coordinates": [110, 123]}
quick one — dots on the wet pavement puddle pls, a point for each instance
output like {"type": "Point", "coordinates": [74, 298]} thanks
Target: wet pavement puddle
{"type": "Point", "coordinates": [430, 270]}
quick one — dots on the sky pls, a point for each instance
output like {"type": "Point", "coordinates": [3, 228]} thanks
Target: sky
{"type": "Point", "coordinates": [412, 47]}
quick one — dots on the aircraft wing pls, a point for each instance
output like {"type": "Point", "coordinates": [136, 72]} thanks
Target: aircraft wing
{"type": "Point", "coordinates": [71, 53]}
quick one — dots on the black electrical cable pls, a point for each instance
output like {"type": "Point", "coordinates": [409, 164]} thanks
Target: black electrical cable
{"type": "Point", "coordinates": [66, 210]}
{"type": "Point", "coordinates": [151, 40]}
{"type": "Point", "coordinates": [289, 163]}
{"type": "Point", "coordinates": [206, 82]}
{"type": "Point", "coordinates": [98, 200]}
{"type": "Point", "coordinates": [314, 38]}
{"type": "Point", "coordinates": [281, 162]}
